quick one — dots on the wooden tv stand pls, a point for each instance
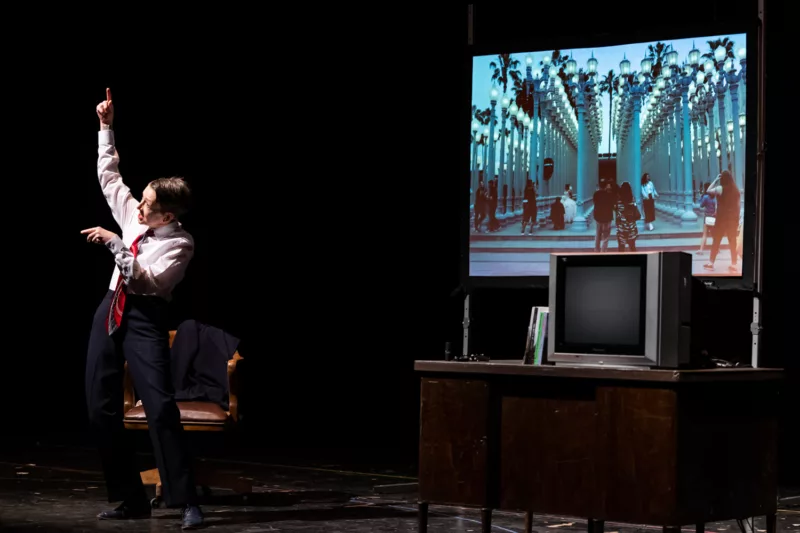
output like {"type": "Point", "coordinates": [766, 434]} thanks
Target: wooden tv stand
{"type": "Point", "coordinates": [659, 447]}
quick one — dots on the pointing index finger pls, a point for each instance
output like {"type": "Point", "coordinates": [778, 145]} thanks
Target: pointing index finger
{"type": "Point", "coordinates": [108, 94]}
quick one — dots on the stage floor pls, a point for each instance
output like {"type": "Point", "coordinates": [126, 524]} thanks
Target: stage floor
{"type": "Point", "coordinates": [60, 489]}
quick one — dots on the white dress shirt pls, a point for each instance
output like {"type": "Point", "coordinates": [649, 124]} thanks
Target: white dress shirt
{"type": "Point", "coordinates": [162, 257]}
{"type": "Point", "coordinates": [648, 189]}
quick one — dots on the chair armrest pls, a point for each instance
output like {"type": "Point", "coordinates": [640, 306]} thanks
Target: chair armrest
{"type": "Point", "coordinates": [233, 386]}
{"type": "Point", "coordinates": [128, 396]}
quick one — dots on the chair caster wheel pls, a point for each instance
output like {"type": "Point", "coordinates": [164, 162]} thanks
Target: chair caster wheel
{"type": "Point", "coordinates": [155, 503]}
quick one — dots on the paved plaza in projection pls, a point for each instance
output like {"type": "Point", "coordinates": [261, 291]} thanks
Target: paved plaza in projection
{"type": "Point", "coordinates": [507, 253]}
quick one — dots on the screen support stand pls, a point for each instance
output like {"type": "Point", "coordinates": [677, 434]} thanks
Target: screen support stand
{"type": "Point", "coordinates": [755, 330]}
{"type": "Point", "coordinates": [467, 313]}
{"type": "Point", "coordinates": [466, 323]}
{"type": "Point", "coordinates": [761, 150]}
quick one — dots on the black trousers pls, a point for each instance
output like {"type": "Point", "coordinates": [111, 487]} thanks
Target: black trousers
{"type": "Point", "coordinates": [724, 228]}
{"type": "Point", "coordinates": [649, 206]}
{"type": "Point", "coordinates": [142, 340]}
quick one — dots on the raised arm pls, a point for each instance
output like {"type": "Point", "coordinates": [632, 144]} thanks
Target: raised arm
{"type": "Point", "coordinates": [714, 189]}
{"type": "Point", "coordinates": [122, 203]}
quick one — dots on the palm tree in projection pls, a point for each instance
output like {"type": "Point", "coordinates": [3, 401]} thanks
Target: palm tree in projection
{"type": "Point", "coordinates": [483, 116]}
{"type": "Point", "coordinates": [713, 45]}
{"type": "Point", "coordinates": [607, 85]}
{"type": "Point", "coordinates": [505, 67]}
{"type": "Point", "coordinates": [503, 70]}
{"type": "Point", "coordinates": [657, 53]}
{"type": "Point", "coordinates": [522, 96]}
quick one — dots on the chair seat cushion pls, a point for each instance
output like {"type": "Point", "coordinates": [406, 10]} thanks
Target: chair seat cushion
{"type": "Point", "coordinates": [192, 412]}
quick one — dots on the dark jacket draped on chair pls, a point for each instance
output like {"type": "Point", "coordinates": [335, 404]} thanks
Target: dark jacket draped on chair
{"type": "Point", "coordinates": [200, 355]}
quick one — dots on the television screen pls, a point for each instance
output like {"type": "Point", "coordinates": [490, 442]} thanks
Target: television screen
{"type": "Point", "coordinates": [636, 147]}
{"type": "Point", "coordinates": [602, 305]}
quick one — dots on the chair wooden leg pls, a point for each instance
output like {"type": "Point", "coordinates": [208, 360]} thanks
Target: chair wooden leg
{"type": "Point", "coordinates": [528, 522]}
{"type": "Point", "coordinates": [423, 517]}
{"type": "Point", "coordinates": [486, 520]}
{"type": "Point", "coordinates": [772, 523]}
{"type": "Point", "coordinates": [151, 477]}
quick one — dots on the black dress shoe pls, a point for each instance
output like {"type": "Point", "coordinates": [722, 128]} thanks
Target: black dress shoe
{"type": "Point", "coordinates": [191, 517]}
{"type": "Point", "coordinates": [126, 512]}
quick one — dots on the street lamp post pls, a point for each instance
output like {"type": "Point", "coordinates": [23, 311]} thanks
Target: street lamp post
{"type": "Point", "coordinates": [639, 90]}
{"type": "Point", "coordinates": [581, 86]}
{"type": "Point", "coordinates": [494, 94]}
{"type": "Point", "coordinates": [510, 170]}
{"type": "Point", "coordinates": [593, 133]}
{"type": "Point", "coordinates": [485, 160]}
{"type": "Point", "coordinates": [476, 138]}
{"type": "Point", "coordinates": [689, 217]}
{"type": "Point", "coordinates": [673, 91]}
{"type": "Point", "coordinates": [742, 124]}
{"type": "Point", "coordinates": [527, 128]}
{"type": "Point", "coordinates": [500, 213]}
{"type": "Point", "coordinates": [518, 174]}
{"type": "Point", "coordinates": [544, 129]}
{"type": "Point", "coordinates": [720, 52]}
{"type": "Point", "coordinates": [733, 79]}
{"type": "Point", "coordinates": [712, 127]}
{"type": "Point", "coordinates": [742, 54]}
{"type": "Point", "coordinates": [700, 106]}
{"type": "Point", "coordinates": [536, 87]}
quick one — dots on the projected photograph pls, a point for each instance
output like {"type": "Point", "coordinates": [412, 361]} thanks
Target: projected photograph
{"type": "Point", "coordinates": [637, 147]}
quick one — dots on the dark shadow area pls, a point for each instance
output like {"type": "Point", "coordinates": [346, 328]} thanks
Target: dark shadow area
{"type": "Point", "coordinates": [228, 518]}
{"type": "Point", "coordinates": [275, 499]}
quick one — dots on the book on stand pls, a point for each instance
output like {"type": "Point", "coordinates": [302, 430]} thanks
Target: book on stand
{"type": "Point", "coordinates": [536, 343]}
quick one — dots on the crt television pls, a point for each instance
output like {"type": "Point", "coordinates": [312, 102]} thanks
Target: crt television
{"type": "Point", "coordinates": [620, 310]}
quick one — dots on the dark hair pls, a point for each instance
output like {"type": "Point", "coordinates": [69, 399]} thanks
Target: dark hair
{"type": "Point", "coordinates": [172, 195]}
{"type": "Point", "coordinates": [644, 177]}
{"type": "Point", "coordinates": [727, 182]}
{"type": "Point", "coordinates": [626, 193]}
{"type": "Point", "coordinates": [706, 185]}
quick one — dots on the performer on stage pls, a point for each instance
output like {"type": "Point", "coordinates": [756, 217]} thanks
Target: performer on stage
{"type": "Point", "coordinates": [130, 325]}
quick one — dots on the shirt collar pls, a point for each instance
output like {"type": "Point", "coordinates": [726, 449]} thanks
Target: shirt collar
{"type": "Point", "coordinates": [163, 231]}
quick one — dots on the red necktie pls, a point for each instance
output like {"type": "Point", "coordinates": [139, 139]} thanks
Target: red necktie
{"type": "Point", "coordinates": [118, 302]}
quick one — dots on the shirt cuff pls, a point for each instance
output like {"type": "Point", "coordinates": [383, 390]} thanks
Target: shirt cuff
{"type": "Point", "coordinates": [105, 137]}
{"type": "Point", "coordinates": [115, 245]}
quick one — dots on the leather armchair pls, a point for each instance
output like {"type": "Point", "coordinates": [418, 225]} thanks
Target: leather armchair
{"type": "Point", "coordinates": [195, 416]}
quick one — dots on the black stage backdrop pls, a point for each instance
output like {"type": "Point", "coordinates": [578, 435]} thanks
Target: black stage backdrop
{"type": "Point", "coordinates": [323, 152]}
